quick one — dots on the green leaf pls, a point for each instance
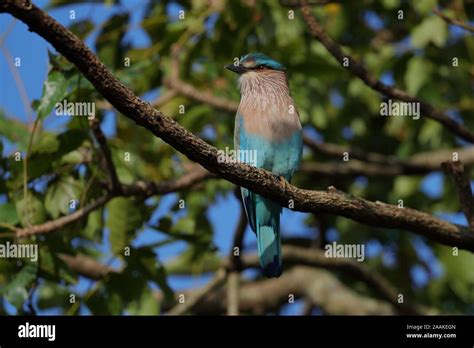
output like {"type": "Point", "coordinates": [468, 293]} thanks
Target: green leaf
{"type": "Point", "coordinates": [94, 227]}
{"type": "Point", "coordinates": [14, 131]}
{"type": "Point", "coordinates": [54, 90]}
{"type": "Point", "coordinates": [424, 6]}
{"type": "Point", "coordinates": [82, 28]}
{"type": "Point", "coordinates": [16, 292]}
{"type": "Point", "coordinates": [125, 217]}
{"type": "Point", "coordinates": [47, 144]}
{"type": "Point", "coordinates": [186, 224]}
{"type": "Point", "coordinates": [60, 194]}
{"type": "Point", "coordinates": [404, 186]}
{"type": "Point", "coordinates": [53, 268]}
{"type": "Point", "coordinates": [418, 71]}
{"type": "Point", "coordinates": [459, 271]}
{"type": "Point", "coordinates": [34, 209]}
{"type": "Point", "coordinates": [8, 214]}
{"type": "Point", "coordinates": [145, 305]}
{"type": "Point", "coordinates": [432, 30]}
{"type": "Point", "coordinates": [108, 42]}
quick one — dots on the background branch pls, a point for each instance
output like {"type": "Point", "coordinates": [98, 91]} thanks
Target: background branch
{"type": "Point", "coordinates": [114, 183]}
{"type": "Point", "coordinates": [463, 188]}
{"type": "Point", "coordinates": [140, 188]}
{"type": "Point", "coordinates": [235, 262]}
{"type": "Point", "coordinates": [377, 164]}
{"type": "Point", "coordinates": [360, 71]}
{"type": "Point", "coordinates": [454, 21]}
{"type": "Point", "coordinates": [318, 286]}
{"type": "Point", "coordinates": [193, 298]}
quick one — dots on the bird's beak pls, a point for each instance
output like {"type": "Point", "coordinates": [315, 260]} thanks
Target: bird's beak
{"type": "Point", "coordinates": [238, 69]}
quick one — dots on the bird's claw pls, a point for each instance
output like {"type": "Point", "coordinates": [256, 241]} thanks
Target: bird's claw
{"type": "Point", "coordinates": [282, 180]}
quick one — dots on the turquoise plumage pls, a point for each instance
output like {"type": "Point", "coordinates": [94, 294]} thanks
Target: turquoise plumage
{"type": "Point", "coordinates": [267, 123]}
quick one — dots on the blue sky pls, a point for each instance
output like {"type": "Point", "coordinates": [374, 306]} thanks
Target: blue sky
{"type": "Point", "coordinates": [224, 213]}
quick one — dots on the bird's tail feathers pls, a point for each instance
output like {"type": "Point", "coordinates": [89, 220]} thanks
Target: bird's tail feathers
{"type": "Point", "coordinates": [269, 250]}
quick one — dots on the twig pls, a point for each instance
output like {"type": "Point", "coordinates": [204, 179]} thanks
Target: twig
{"type": "Point", "coordinates": [64, 220]}
{"type": "Point", "coordinates": [360, 71]}
{"type": "Point", "coordinates": [233, 286]}
{"type": "Point", "coordinates": [138, 189]}
{"type": "Point", "coordinates": [193, 177]}
{"type": "Point", "coordinates": [197, 296]}
{"type": "Point", "coordinates": [87, 266]}
{"type": "Point", "coordinates": [463, 188]}
{"type": "Point", "coordinates": [7, 32]}
{"type": "Point", "coordinates": [174, 83]}
{"type": "Point", "coordinates": [235, 264]}
{"type": "Point", "coordinates": [454, 21]}
{"type": "Point", "coordinates": [19, 83]}
{"type": "Point", "coordinates": [238, 240]}
{"type": "Point", "coordinates": [114, 183]}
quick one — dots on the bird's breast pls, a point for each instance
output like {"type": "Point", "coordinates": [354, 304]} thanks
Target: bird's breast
{"type": "Point", "coordinates": [274, 118]}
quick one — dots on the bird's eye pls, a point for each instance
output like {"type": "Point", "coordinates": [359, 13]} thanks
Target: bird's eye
{"type": "Point", "coordinates": [261, 67]}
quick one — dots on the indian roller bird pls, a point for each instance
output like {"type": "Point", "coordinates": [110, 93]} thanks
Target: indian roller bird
{"type": "Point", "coordinates": [267, 122]}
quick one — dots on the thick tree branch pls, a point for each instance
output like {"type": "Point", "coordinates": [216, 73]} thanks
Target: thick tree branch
{"type": "Point", "coordinates": [257, 180]}
{"type": "Point", "coordinates": [463, 188]}
{"type": "Point", "coordinates": [360, 71]}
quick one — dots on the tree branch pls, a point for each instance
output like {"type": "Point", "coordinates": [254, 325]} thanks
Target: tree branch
{"type": "Point", "coordinates": [114, 183]}
{"type": "Point", "coordinates": [191, 299]}
{"type": "Point", "coordinates": [463, 188]}
{"type": "Point", "coordinates": [454, 21]}
{"type": "Point", "coordinates": [87, 266]}
{"type": "Point", "coordinates": [139, 188]}
{"type": "Point", "coordinates": [316, 258]}
{"type": "Point", "coordinates": [233, 278]}
{"type": "Point", "coordinates": [257, 180]}
{"type": "Point", "coordinates": [387, 165]}
{"type": "Point", "coordinates": [320, 287]}
{"type": "Point", "coordinates": [293, 256]}
{"type": "Point", "coordinates": [63, 220]}
{"type": "Point", "coordinates": [378, 164]}
{"type": "Point", "coordinates": [359, 70]}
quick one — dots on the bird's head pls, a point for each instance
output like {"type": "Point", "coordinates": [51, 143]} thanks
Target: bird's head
{"type": "Point", "coordinates": [256, 62]}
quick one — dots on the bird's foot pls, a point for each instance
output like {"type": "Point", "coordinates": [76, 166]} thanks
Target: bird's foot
{"type": "Point", "coordinates": [283, 181]}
